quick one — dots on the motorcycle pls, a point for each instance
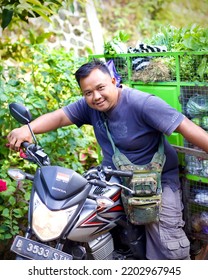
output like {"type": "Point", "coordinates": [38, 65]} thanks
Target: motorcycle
{"type": "Point", "coordinates": [73, 216]}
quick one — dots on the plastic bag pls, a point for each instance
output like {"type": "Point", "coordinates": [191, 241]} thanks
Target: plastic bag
{"type": "Point", "coordinates": [197, 105]}
{"type": "Point", "coordinates": [114, 73]}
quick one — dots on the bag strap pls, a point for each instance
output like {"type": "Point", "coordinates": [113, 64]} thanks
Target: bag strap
{"type": "Point", "coordinates": [108, 133]}
{"type": "Point", "coordinates": [115, 149]}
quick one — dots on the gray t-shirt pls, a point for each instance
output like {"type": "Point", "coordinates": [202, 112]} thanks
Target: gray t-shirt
{"type": "Point", "coordinates": [136, 124]}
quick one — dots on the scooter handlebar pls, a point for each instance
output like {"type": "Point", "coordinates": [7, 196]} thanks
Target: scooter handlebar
{"type": "Point", "coordinates": [25, 144]}
{"type": "Point", "coordinates": [99, 183]}
{"type": "Point", "coordinates": [35, 154]}
{"type": "Point", "coordinates": [104, 184]}
{"type": "Point", "coordinates": [119, 173]}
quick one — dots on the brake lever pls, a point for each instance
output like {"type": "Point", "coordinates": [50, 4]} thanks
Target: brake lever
{"type": "Point", "coordinates": [104, 184]}
{"type": "Point", "coordinates": [36, 154]}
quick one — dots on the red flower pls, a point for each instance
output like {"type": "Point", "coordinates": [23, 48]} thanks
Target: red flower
{"type": "Point", "coordinates": [3, 186]}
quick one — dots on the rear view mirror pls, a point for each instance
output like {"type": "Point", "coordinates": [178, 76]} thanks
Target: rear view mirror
{"type": "Point", "coordinates": [20, 113]}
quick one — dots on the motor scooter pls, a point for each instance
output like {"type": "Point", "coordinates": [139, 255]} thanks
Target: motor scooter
{"type": "Point", "coordinates": [73, 216]}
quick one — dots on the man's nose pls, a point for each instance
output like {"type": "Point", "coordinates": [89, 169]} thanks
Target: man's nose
{"type": "Point", "coordinates": [97, 95]}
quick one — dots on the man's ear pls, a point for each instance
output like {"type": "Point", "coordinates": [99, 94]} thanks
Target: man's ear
{"type": "Point", "coordinates": [114, 80]}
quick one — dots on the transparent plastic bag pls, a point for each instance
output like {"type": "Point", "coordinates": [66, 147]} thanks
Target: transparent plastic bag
{"type": "Point", "coordinates": [197, 105]}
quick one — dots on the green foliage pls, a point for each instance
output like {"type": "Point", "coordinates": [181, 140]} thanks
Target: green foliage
{"type": "Point", "coordinates": [13, 209]}
{"type": "Point", "coordinates": [116, 44]}
{"type": "Point", "coordinates": [25, 9]}
{"type": "Point", "coordinates": [189, 38]}
{"type": "Point", "coordinates": [43, 80]}
{"type": "Point", "coordinates": [143, 19]}
{"type": "Point", "coordinates": [154, 7]}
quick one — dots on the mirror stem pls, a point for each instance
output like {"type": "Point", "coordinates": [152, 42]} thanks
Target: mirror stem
{"type": "Point", "coordinates": [33, 135]}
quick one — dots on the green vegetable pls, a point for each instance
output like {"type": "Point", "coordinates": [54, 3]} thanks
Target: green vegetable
{"type": "Point", "coordinates": [197, 105]}
{"type": "Point", "coordinates": [204, 122]}
{"type": "Point", "coordinates": [197, 121]}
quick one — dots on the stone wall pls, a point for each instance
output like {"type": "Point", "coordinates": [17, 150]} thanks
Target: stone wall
{"type": "Point", "coordinates": [72, 31]}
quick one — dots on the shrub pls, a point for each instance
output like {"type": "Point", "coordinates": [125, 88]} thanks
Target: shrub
{"type": "Point", "coordinates": [43, 81]}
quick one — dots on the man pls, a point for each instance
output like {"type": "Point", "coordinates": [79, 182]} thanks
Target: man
{"type": "Point", "coordinates": [136, 121]}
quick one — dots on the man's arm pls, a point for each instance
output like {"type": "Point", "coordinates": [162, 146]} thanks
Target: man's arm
{"type": "Point", "coordinates": [194, 134]}
{"type": "Point", "coordinates": [42, 124]}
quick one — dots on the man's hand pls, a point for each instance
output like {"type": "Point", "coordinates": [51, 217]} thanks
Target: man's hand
{"type": "Point", "coordinates": [19, 135]}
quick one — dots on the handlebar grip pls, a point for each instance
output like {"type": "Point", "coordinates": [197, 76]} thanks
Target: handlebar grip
{"type": "Point", "coordinates": [126, 173]}
{"type": "Point", "coordinates": [121, 173]}
{"type": "Point", "coordinates": [98, 183]}
{"type": "Point", "coordinates": [25, 144]}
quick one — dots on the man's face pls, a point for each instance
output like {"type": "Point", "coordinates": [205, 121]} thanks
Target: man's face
{"type": "Point", "coordinates": [99, 90]}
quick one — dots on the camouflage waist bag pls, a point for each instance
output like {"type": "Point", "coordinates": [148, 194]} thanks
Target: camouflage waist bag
{"type": "Point", "coordinates": [143, 200]}
{"type": "Point", "coordinates": [142, 203]}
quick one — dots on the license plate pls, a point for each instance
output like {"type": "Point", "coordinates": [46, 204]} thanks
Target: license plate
{"type": "Point", "coordinates": [37, 251]}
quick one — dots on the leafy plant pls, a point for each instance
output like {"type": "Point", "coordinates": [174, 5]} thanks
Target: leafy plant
{"type": "Point", "coordinates": [117, 44]}
{"type": "Point", "coordinates": [43, 80]}
{"type": "Point", "coordinates": [25, 9]}
{"type": "Point", "coordinates": [190, 38]}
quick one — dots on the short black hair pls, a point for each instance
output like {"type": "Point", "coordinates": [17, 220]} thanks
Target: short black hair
{"type": "Point", "coordinates": [88, 67]}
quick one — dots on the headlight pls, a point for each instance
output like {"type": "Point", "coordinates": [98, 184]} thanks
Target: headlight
{"type": "Point", "coordinates": [47, 224]}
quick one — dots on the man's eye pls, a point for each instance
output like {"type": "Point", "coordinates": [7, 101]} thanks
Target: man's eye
{"type": "Point", "coordinates": [88, 93]}
{"type": "Point", "coordinates": [101, 88]}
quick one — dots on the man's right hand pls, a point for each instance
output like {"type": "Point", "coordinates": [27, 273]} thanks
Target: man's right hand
{"type": "Point", "coordinates": [19, 135]}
